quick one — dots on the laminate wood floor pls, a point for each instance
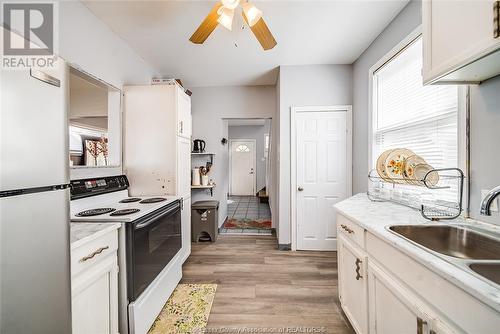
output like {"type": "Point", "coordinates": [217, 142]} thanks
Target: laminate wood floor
{"type": "Point", "coordinates": [264, 290]}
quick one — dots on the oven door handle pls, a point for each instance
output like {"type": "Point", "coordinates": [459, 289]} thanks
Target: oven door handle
{"type": "Point", "coordinates": [153, 219]}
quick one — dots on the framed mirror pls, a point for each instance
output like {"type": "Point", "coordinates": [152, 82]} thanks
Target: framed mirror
{"type": "Point", "coordinates": [94, 122]}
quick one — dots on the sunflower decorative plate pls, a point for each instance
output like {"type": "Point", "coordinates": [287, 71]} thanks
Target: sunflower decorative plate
{"type": "Point", "coordinates": [395, 164]}
{"type": "Point", "coordinates": [381, 165]}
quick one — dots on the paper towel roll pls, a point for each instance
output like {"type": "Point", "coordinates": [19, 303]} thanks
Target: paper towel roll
{"type": "Point", "coordinates": [196, 177]}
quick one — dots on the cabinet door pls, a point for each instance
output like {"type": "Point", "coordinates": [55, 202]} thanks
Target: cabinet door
{"type": "Point", "coordinates": [457, 33]}
{"type": "Point", "coordinates": [186, 229]}
{"type": "Point", "coordinates": [353, 284]}
{"type": "Point", "coordinates": [95, 299]}
{"type": "Point", "coordinates": [183, 114]}
{"type": "Point", "coordinates": [183, 167]}
{"type": "Point", "coordinates": [393, 310]}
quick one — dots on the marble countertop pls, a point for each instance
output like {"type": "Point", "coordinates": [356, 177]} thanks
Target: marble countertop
{"type": "Point", "coordinates": [376, 217]}
{"type": "Point", "coordinates": [81, 233]}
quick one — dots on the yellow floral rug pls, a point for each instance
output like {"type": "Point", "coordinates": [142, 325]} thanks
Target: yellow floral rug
{"type": "Point", "coordinates": [186, 311]}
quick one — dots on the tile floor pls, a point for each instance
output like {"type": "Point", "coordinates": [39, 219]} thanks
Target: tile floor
{"type": "Point", "coordinates": [247, 207]}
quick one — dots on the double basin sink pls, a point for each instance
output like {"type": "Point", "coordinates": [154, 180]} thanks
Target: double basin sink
{"type": "Point", "coordinates": [473, 250]}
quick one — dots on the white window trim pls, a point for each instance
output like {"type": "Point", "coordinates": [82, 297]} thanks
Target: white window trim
{"type": "Point", "coordinates": [463, 96]}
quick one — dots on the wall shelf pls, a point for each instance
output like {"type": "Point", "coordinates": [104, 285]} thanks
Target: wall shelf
{"type": "Point", "coordinates": [204, 154]}
{"type": "Point", "coordinates": [211, 188]}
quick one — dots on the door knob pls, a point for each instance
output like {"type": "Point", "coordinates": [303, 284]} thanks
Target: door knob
{"type": "Point", "coordinates": [300, 189]}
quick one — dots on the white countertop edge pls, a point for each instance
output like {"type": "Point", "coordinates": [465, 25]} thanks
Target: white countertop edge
{"type": "Point", "coordinates": [466, 281]}
{"type": "Point", "coordinates": [92, 236]}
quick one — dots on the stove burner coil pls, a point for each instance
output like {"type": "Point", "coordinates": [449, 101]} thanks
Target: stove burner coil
{"type": "Point", "coordinates": [130, 200]}
{"type": "Point", "coordinates": [124, 212]}
{"type": "Point", "coordinates": [152, 200]}
{"type": "Point", "coordinates": [95, 212]}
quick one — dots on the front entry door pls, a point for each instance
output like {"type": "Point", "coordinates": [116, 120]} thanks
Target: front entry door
{"type": "Point", "coordinates": [242, 168]}
{"type": "Point", "coordinates": [321, 176]}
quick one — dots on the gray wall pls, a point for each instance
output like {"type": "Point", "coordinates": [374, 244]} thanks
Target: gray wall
{"type": "Point", "coordinates": [485, 143]}
{"type": "Point", "coordinates": [257, 133]}
{"type": "Point", "coordinates": [484, 104]}
{"type": "Point", "coordinates": [402, 25]}
{"type": "Point", "coordinates": [210, 106]}
{"type": "Point", "coordinates": [300, 86]}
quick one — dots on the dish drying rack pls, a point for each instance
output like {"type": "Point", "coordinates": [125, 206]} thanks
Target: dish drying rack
{"type": "Point", "coordinates": [435, 201]}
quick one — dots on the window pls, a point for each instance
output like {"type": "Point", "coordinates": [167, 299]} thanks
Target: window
{"type": "Point", "coordinates": [406, 114]}
{"type": "Point", "coordinates": [242, 148]}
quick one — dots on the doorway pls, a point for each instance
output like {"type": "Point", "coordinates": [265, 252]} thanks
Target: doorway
{"type": "Point", "coordinates": [321, 173]}
{"type": "Point", "coordinates": [248, 180]}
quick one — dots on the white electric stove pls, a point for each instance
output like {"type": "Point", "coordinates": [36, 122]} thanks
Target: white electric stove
{"type": "Point", "coordinates": [150, 242]}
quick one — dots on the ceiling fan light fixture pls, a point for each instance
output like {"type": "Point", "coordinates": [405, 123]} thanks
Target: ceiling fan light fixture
{"type": "Point", "coordinates": [252, 13]}
{"type": "Point", "coordinates": [226, 18]}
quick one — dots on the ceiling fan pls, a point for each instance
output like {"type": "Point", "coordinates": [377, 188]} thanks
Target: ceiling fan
{"type": "Point", "coordinates": [223, 12]}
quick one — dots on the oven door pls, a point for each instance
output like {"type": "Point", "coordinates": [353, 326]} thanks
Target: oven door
{"type": "Point", "coordinates": [152, 242]}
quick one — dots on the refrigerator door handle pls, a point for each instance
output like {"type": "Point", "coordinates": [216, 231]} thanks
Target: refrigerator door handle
{"type": "Point", "coordinates": [44, 77]}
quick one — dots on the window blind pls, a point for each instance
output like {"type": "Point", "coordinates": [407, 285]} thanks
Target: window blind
{"type": "Point", "coordinates": [407, 114]}
{"type": "Point", "coordinates": [410, 115]}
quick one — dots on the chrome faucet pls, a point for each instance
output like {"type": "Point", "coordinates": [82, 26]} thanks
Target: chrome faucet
{"type": "Point", "coordinates": [486, 203]}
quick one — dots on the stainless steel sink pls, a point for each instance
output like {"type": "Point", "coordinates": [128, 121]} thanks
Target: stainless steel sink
{"type": "Point", "coordinates": [455, 241]}
{"type": "Point", "coordinates": [490, 271]}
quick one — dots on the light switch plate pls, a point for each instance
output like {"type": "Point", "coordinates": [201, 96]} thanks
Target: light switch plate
{"type": "Point", "coordinates": [494, 204]}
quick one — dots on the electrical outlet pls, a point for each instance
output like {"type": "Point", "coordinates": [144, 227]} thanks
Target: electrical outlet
{"type": "Point", "coordinates": [494, 204]}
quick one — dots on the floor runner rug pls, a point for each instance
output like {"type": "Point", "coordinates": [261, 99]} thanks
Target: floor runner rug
{"type": "Point", "coordinates": [246, 223]}
{"type": "Point", "coordinates": [186, 311]}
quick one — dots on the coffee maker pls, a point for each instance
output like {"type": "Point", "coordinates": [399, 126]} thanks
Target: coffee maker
{"type": "Point", "coordinates": [198, 146]}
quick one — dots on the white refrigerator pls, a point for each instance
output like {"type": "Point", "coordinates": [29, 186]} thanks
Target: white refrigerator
{"type": "Point", "coordinates": [35, 287]}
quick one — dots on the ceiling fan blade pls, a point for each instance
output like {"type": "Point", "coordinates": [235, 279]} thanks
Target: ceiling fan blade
{"type": "Point", "coordinates": [207, 26]}
{"type": "Point", "coordinates": [262, 33]}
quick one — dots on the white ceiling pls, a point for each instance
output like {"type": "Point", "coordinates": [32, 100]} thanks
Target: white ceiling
{"type": "Point", "coordinates": [307, 32]}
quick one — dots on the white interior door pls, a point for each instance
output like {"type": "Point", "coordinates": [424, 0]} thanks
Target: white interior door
{"type": "Point", "coordinates": [322, 176]}
{"type": "Point", "coordinates": [242, 167]}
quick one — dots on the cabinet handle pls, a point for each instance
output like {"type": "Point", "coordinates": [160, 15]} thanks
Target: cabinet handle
{"type": "Point", "coordinates": [91, 255]}
{"type": "Point", "coordinates": [420, 325]}
{"type": "Point", "coordinates": [347, 229]}
{"type": "Point", "coordinates": [358, 268]}
{"type": "Point", "coordinates": [496, 19]}
{"type": "Point", "coordinates": [181, 127]}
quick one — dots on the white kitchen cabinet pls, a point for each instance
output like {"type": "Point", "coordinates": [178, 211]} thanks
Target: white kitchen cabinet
{"type": "Point", "coordinates": [157, 144]}
{"type": "Point", "coordinates": [392, 308]}
{"type": "Point", "coordinates": [184, 127]}
{"type": "Point", "coordinates": [94, 286]}
{"type": "Point", "coordinates": [353, 283]}
{"type": "Point", "coordinates": [461, 41]}
{"type": "Point", "coordinates": [184, 167]}
{"type": "Point", "coordinates": [398, 294]}
{"type": "Point", "coordinates": [186, 229]}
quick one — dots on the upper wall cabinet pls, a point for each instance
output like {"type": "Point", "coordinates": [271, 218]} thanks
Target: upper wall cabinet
{"type": "Point", "coordinates": [461, 41]}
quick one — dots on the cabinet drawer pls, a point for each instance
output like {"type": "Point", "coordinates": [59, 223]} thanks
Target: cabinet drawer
{"type": "Point", "coordinates": [93, 252]}
{"type": "Point", "coordinates": [351, 231]}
